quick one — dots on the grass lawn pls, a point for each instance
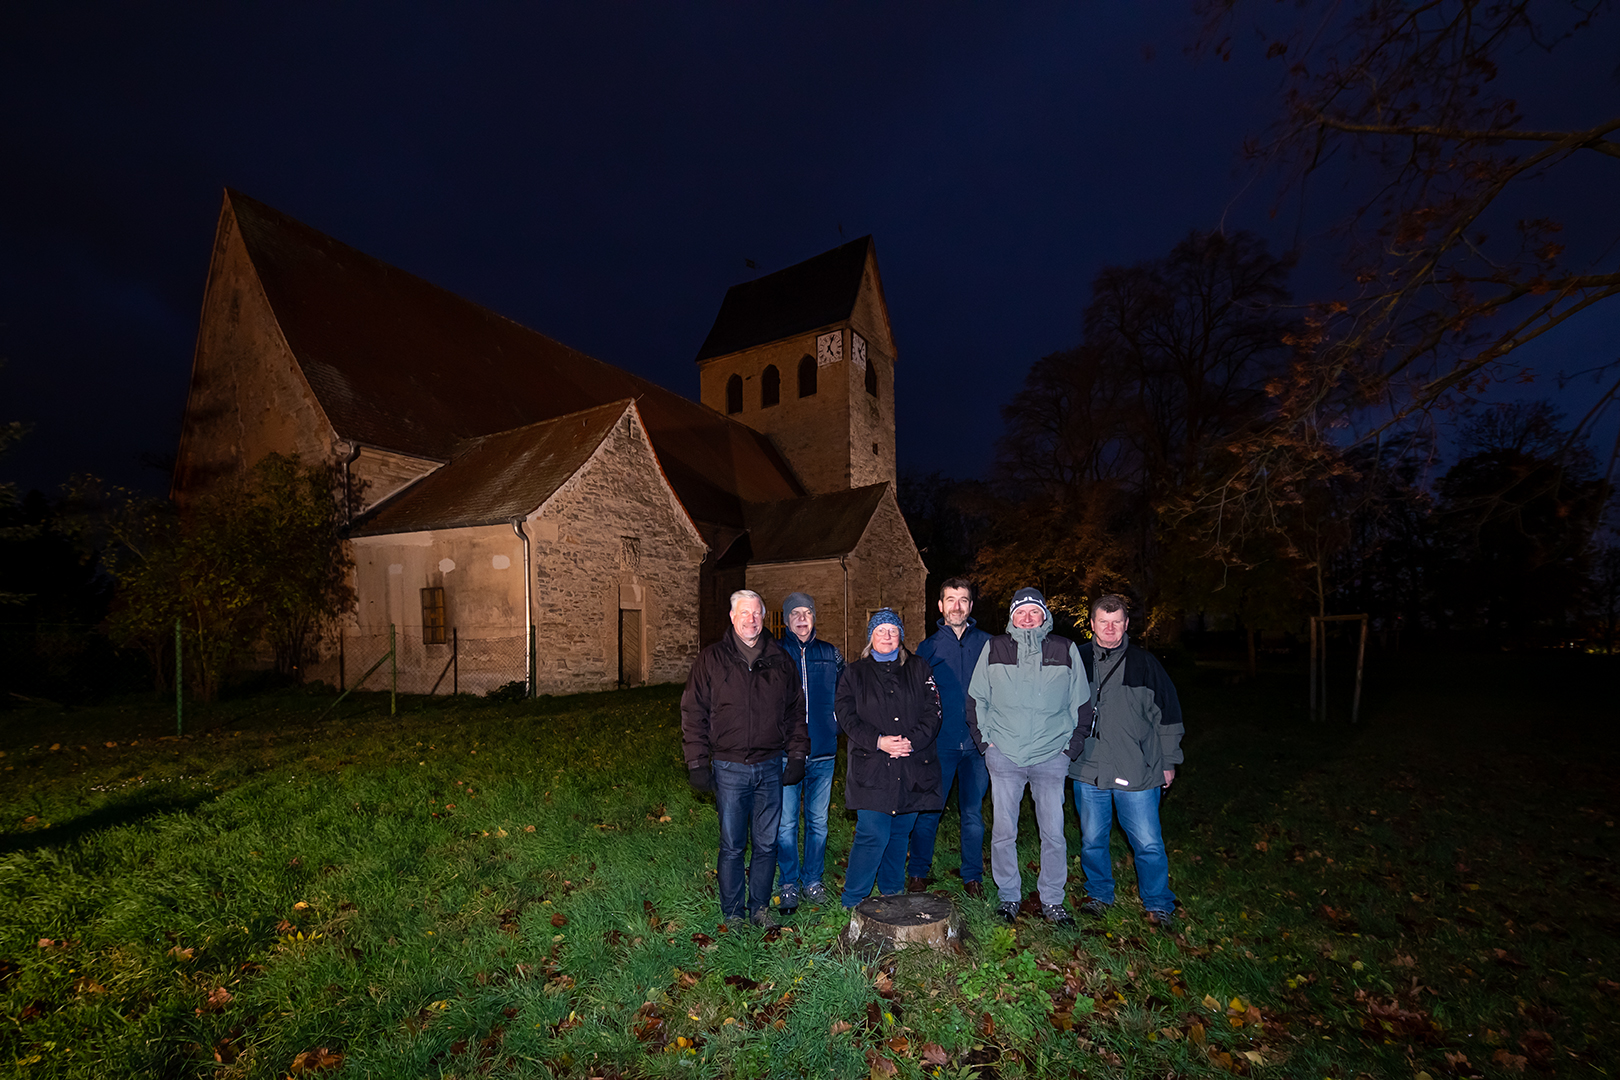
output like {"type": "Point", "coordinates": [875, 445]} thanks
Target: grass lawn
{"type": "Point", "coordinates": [477, 889]}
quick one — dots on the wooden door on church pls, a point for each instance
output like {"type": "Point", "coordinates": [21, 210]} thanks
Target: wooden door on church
{"type": "Point", "coordinates": [630, 648]}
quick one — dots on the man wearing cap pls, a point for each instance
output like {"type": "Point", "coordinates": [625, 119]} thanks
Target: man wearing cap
{"type": "Point", "coordinates": [742, 711]}
{"type": "Point", "coordinates": [953, 651]}
{"type": "Point", "coordinates": [1127, 764]}
{"type": "Point", "coordinates": [819, 664]}
{"type": "Point", "coordinates": [1029, 708]}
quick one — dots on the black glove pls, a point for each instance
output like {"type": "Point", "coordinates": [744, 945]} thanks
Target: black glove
{"type": "Point", "coordinates": [701, 779]}
{"type": "Point", "coordinates": [794, 772]}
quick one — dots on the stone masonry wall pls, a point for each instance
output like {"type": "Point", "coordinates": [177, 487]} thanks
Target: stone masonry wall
{"type": "Point", "coordinates": [613, 538]}
{"type": "Point", "coordinates": [247, 396]}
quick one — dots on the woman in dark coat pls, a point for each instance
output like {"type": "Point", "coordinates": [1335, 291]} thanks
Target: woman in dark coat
{"type": "Point", "coordinates": [889, 709]}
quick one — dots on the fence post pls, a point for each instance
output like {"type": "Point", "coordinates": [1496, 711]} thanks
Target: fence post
{"type": "Point", "coordinates": [1312, 705]}
{"type": "Point", "coordinates": [393, 672]}
{"type": "Point", "coordinates": [179, 683]}
{"type": "Point", "coordinates": [529, 678]}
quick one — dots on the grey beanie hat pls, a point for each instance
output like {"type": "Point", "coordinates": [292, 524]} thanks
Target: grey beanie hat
{"type": "Point", "coordinates": [798, 600]}
{"type": "Point", "coordinates": [1027, 595]}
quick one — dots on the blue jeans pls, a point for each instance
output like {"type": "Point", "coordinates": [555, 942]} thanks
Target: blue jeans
{"type": "Point", "coordinates": [1138, 813]}
{"type": "Point", "coordinates": [877, 854]}
{"type": "Point", "coordinates": [814, 792]}
{"type": "Point", "coordinates": [749, 798]}
{"type": "Point", "coordinates": [967, 769]}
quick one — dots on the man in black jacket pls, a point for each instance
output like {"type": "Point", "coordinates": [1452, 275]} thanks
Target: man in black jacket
{"type": "Point", "coordinates": [742, 712]}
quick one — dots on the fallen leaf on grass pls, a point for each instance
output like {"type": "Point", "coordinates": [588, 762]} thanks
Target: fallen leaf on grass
{"type": "Point", "coordinates": [987, 1025]}
{"type": "Point", "coordinates": [1195, 1034]}
{"type": "Point", "coordinates": [1510, 1062]}
{"type": "Point", "coordinates": [934, 1054]}
{"type": "Point", "coordinates": [703, 941]}
{"type": "Point", "coordinates": [884, 985]}
{"type": "Point", "coordinates": [881, 1067]}
{"type": "Point", "coordinates": [685, 978]}
{"type": "Point", "coordinates": [180, 953]}
{"type": "Point", "coordinates": [1402, 960]}
{"type": "Point", "coordinates": [558, 919]}
{"type": "Point", "coordinates": [86, 985]}
{"type": "Point", "coordinates": [839, 1027]}
{"type": "Point", "coordinates": [300, 906]}
{"type": "Point", "coordinates": [318, 1060]}
{"type": "Point", "coordinates": [900, 1045]}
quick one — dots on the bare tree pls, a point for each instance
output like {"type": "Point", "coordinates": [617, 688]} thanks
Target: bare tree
{"type": "Point", "coordinates": [1447, 273]}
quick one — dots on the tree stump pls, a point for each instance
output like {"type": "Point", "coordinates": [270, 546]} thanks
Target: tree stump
{"type": "Point", "coordinates": [894, 922]}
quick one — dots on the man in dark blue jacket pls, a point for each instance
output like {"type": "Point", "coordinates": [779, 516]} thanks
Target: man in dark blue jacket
{"type": "Point", "coordinates": [819, 664]}
{"type": "Point", "coordinates": [952, 651]}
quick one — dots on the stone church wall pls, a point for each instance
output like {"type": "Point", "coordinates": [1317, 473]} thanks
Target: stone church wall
{"type": "Point", "coordinates": [248, 397]}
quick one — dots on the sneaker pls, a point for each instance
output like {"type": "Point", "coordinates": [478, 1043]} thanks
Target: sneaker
{"type": "Point", "coordinates": [1164, 919]}
{"type": "Point", "coordinates": [1057, 915]}
{"type": "Point", "coordinates": [816, 893]}
{"type": "Point", "coordinates": [789, 901]}
{"type": "Point", "coordinates": [1007, 911]}
{"type": "Point", "coordinates": [764, 919]}
{"type": "Point", "coordinates": [916, 884]}
{"type": "Point", "coordinates": [1094, 908]}
{"type": "Point", "coordinates": [974, 889]}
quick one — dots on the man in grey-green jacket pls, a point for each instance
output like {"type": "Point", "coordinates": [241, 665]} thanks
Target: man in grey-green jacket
{"type": "Point", "coordinates": [1028, 709]}
{"type": "Point", "coordinates": [1126, 764]}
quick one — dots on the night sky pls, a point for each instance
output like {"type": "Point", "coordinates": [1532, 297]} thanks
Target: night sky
{"type": "Point", "coordinates": [602, 172]}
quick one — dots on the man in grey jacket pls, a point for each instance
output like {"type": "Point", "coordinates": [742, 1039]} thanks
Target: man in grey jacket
{"type": "Point", "coordinates": [1127, 763]}
{"type": "Point", "coordinates": [1028, 708]}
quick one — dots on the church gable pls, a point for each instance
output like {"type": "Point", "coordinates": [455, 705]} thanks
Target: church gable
{"type": "Point", "coordinates": [248, 396]}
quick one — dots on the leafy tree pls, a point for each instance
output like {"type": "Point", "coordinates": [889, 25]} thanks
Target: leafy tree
{"type": "Point", "coordinates": [1519, 511]}
{"type": "Point", "coordinates": [257, 558]}
{"type": "Point", "coordinates": [1458, 241]}
{"type": "Point", "coordinates": [1105, 437]}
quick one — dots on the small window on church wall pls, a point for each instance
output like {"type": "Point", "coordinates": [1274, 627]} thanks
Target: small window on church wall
{"type": "Point", "coordinates": [734, 395]}
{"type": "Point", "coordinates": [770, 387]}
{"type": "Point", "coordinates": [433, 621]}
{"type": "Point", "coordinates": [807, 376]}
{"type": "Point", "coordinates": [871, 377]}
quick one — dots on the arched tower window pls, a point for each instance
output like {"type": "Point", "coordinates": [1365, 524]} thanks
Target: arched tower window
{"type": "Point", "coordinates": [807, 376]}
{"type": "Point", "coordinates": [734, 395]}
{"type": "Point", "coordinates": [770, 387]}
{"type": "Point", "coordinates": [871, 377]}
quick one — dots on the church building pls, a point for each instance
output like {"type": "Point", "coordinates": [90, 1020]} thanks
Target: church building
{"type": "Point", "coordinates": [507, 485]}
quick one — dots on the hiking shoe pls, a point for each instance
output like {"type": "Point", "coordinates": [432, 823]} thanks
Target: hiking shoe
{"type": "Point", "coordinates": [1163, 919]}
{"type": "Point", "coordinates": [974, 889]}
{"type": "Point", "coordinates": [789, 900]}
{"type": "Point", "coordinates": [816, 893]}
{"type": "Point", "coordinates": [1095, 908]}
{"type": "Point", "coordinates": [916, 884]}
{"type": "Point", "coordinates": [1007, 911]}
{"type": "Point", "coordinates": [1057, 915]}
{"type": "Point", "coordinates": [764, 919]}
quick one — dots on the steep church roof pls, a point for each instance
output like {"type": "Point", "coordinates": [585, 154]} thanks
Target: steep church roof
{"type": "Point", "coordinates": [400, 364]}
{"type": "Point", "coordinates": [814, 527]}
{"type": "Point", "coordinates": [802, 297]}
{"type": "Point", "coordinates": [491, 479]}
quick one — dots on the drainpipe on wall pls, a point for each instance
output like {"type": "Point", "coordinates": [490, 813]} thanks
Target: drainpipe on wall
{"type": "Point", "coordinates": [842, 562]}
{"type": "Point", "coordinates": [348, 492]}
{"type": "Point", "coordinates": [528, 608]}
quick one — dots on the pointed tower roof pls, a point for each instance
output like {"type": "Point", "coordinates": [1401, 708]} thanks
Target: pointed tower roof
{"type": "Point", "coordinates": [811, 294]}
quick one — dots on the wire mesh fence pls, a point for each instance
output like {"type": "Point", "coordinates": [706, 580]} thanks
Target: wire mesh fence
{"type": "Point", "coordinates": [466, 664]}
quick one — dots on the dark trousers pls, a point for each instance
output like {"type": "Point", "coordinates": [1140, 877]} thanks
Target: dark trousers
{"type": "Point", "coordinates": [749, 798]}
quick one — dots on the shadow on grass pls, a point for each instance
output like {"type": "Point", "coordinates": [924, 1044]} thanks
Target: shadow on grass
{"type": "Point", "coordinates": [127, 811]}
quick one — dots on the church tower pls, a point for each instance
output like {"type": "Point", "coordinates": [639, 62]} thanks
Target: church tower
{"type": "Point", "coordinates": [805, 355]}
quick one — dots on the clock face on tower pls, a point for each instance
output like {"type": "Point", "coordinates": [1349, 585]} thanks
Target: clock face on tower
{"type": "Point", "coordinates": [829, 348]}
{"type": "Point", "coordinates": [858, 351]}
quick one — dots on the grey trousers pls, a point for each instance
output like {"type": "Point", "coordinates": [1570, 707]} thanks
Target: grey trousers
{"type": "Point", "coordinates": [1046, 782]}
